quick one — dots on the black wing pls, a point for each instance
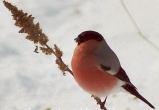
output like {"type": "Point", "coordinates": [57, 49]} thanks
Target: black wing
{"type": "Point", "coordinates": [122, 75]}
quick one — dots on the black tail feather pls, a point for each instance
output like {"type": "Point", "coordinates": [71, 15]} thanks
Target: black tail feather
{"type": "Point", "coordinates": [133, 91]}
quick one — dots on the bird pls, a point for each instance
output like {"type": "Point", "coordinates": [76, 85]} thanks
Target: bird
{"type": "Point", "coordinates": [97, 69]}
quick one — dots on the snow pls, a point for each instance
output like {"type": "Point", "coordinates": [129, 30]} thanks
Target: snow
{"type": "Point", "coordinates": [31, 81]}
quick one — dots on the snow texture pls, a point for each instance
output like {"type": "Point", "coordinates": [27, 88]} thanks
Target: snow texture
{"type": "Point", "coordinates": [31, 81]}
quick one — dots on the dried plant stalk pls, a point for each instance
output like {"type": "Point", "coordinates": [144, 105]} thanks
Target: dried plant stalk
{"type": "Point", "coordinates": [35, 34]}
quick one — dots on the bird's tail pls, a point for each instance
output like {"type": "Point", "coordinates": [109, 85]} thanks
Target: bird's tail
{"type": "Point", "coordinates": [133, 91]}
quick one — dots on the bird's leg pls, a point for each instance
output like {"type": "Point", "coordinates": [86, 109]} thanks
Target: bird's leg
{"type": "Point", "coordinates": [104, 100]}
{"type": "Point", "coordinates": [99, 102]}
{"type": "Point", "coordinates": [103, 103]}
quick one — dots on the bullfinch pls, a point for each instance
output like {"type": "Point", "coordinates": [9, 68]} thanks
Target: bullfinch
{"type": "Point", "coordinates": [97, 69]}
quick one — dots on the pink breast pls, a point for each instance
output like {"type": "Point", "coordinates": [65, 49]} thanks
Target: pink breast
{"type": "Point", "coordinates": [91, 78]}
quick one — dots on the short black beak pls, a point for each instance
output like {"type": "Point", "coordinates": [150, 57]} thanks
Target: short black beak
{"type": "Point", "coordinates": [76, 39]}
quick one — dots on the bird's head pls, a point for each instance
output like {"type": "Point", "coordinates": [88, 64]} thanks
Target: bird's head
{"type": "Point", "coordinates": [88, 36]}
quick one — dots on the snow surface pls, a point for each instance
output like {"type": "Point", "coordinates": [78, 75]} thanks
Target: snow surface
{"type": "Point", "coordinates": [30, 81]}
